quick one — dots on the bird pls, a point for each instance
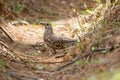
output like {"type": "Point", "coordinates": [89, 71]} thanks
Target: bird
{"type": "Point", "coordinates": [54, 41]}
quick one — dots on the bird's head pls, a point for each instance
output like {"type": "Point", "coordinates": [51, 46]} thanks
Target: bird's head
{"type": "Point", "coordinates": [48, 28]}
{"type": "Point", "coordinates": [47, 25]}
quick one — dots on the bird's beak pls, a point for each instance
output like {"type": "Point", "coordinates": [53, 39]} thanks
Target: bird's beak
{"type": "Point", "coordinates": [42, 23]}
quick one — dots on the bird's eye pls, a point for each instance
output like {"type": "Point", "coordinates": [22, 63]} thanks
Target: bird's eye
{"type": "Point", "coordinates": [47, 24]}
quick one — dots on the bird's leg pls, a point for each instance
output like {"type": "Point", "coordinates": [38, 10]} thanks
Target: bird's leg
{"type": "Point", "coordinates": [50, 53]}
{"type": "Point", "coordinates": [54, 51]}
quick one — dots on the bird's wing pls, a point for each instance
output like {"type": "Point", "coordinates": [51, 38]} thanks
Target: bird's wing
{"type": "Point", "coordinates": [55, 38]}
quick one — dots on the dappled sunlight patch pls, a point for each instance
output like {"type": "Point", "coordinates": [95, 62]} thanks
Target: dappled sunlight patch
{"type": "Point", "coordinates": [22, 33]}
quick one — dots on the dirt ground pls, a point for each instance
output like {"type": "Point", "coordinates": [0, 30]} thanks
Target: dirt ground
{"type": "Point", "coordinates": [24, 56]}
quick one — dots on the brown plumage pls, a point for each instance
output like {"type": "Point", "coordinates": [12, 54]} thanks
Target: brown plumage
{"type": "Point", "coordinates": [56, 42]}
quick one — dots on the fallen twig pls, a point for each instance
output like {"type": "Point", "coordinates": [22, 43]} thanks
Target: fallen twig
{"type": "Point", "coordinates": [6, 34]}
{"type": "Point", "coordinates": [69, 63]}
{"type": "Point", "coordinates": [102, 49]}
{"type": "Point", "coordinates": [25, 58]}
{"type": "Point", "coordinates": [17, 75]}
